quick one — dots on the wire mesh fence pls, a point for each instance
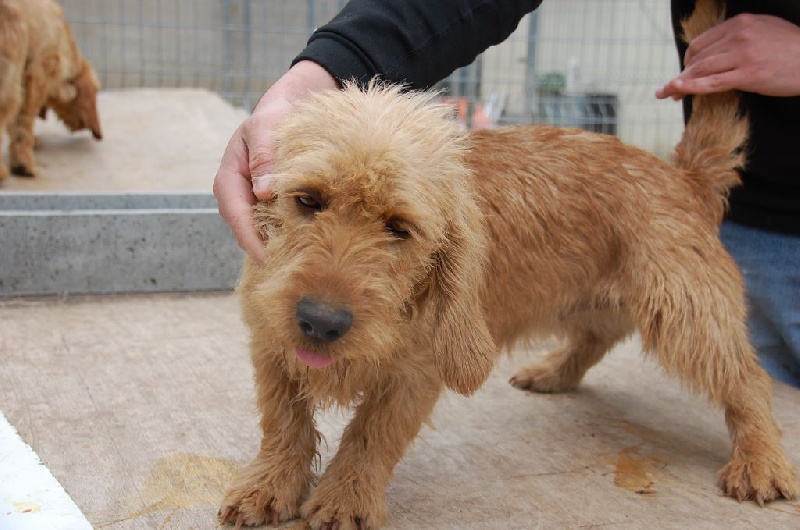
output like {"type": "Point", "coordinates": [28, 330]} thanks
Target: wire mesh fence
{"type": "Point", "coordinates": [587, 63]}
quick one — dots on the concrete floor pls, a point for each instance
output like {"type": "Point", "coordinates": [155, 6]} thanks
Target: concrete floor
{"type": "Point", "coordinates": [142, 406]}
{"type": "Point", "coordinates": [153, 141]}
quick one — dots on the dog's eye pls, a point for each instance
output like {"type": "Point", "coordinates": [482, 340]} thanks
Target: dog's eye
{"type": "Point", "coordinates": [398, 228]}
{"type": "Point", "coordinates": [309, 202]}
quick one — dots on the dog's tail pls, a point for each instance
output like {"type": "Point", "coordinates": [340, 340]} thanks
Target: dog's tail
{"type": "Point", "coordinates": [713, 144]}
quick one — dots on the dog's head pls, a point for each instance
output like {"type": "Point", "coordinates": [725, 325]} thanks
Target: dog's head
{"type": "Point", "coordinates": [376, 246]}
{"type": "Point", "coordinates": [75, 103]}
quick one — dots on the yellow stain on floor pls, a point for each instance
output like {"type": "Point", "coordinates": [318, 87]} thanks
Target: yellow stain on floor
{"type": "Point", "coordinates": [636, 473]}
{"type": "Point", "coordinates": [182, 480]}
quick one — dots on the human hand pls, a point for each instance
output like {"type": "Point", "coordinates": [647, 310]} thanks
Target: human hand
{"type": "Point", "coordinates": [751, 53]}
{"type": "Point", "coordinates": [244, 175]}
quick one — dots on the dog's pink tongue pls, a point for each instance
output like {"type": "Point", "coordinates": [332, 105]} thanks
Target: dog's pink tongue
{"type": "Point", "coordinates": [313, 359]}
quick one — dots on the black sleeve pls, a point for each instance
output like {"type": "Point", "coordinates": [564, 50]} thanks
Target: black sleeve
{"type": "Point", "coordinates": [417, 42]}
{"type": "Point", "coordinates": [681, 10]}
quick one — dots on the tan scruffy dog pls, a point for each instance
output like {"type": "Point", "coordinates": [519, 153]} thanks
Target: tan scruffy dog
{"type": "Point", "coordinates": [40, 68]}
{"type": "Point", "coordinates": [404, 254]}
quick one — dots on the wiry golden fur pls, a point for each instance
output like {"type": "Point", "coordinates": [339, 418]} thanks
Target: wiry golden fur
{"type": "Point", "coordinates": [40, 68]}
{"type": "Point", "coordinates": [510, 233]}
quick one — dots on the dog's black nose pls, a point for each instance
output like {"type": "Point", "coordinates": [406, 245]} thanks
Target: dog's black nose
{"type": "Point", "coordinates": [321, 321]}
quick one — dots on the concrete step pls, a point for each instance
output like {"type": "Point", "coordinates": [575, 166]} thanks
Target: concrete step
{"type": "Point", "coordinates": [72, 243]}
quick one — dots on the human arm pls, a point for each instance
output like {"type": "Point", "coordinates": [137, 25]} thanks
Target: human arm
{"type": "Point", "coordinates": [418, 42]}
{"type": "Point", "coordinates": [751, 53]}
{"type": "Point", "coordinates": [244, 175]}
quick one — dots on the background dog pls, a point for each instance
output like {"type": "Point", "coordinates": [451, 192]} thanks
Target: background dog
{"type": "Point", "coordinates": [404, 254]}
{"type": "Point", "coordinates": [40, 68]}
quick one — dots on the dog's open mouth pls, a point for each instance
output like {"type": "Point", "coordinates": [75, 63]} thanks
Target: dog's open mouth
{"type": "Point", "coordinates": [312, 358]}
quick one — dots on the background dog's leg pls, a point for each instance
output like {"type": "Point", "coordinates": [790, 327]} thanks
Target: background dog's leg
{"type": "Point", "coordinates": [352, 493]}
{"type": "Point", "coordinates": [3, 167]}
{"type": "Point", "coordinates": [20, 149]}
{"type": "Point", "coordinates": [271, 488]}
{"type": "Point", "coordinates": [696, 325]}
{"type": "Point", "coordinates": [10, 101]}
{"type": "Point", "coordinates": [13, 50]}
{"type": "Point", "coordinates": [589, 335]}
{"type": "Point", "coordinates": [9, 104]}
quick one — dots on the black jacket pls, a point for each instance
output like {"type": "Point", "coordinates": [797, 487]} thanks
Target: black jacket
{"type": "Point", "coordinates": [419, 42]}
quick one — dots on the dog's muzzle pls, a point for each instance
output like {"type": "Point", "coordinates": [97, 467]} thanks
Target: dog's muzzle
{"type": "Point", "coordinates": [321, 321]}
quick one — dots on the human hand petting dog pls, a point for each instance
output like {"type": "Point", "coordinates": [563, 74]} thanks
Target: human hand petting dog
{"type": "Point", "coordinates": [752, 53]}
{"type": "Point", "coordinates": [244, 175]}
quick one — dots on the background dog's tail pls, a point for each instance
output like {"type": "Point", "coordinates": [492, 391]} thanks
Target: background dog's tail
{"type": "Point", "coordinates": [713, 143]}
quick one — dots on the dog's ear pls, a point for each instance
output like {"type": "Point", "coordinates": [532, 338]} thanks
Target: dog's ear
{"type": "Point", "coordinates": [463, 348]}
{"type": "Point", "coordinates": [87, 87]}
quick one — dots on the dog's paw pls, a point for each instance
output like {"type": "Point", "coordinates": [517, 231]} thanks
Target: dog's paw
{"type": "Point", "coordinates": [256, 499]}
{"type": "Point", "coordinates": [21, 159]}
{"type": "Point", "coordinates": [254, 508]}
{"type": "Point", "coordinates": [344, 506]}
{"type": "Point", "coordinates": [23, 170]}
{"type": "Point", "coordinates": [543, 379]}
{"type": "Point", "coordinates": [761, 480]}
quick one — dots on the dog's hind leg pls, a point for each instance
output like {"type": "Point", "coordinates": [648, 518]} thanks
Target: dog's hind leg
{"type": "Point", "coordinates": [589, 335]}
{"type": "Point", "coordinates": [271, 488]}
{"type": "Point", "coordinates": [696, 324]}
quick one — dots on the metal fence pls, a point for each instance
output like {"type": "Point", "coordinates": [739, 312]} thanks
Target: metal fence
{"type": "Point", "coordinates": [588, 63]}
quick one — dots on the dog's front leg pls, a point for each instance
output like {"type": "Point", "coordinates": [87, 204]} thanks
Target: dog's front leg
{"type": "Point", "coordinates": [351, 495]}
{"type": "Point", "coordinates": [20, 148]}
{"type": "Point", "coordinates": [271, 488]}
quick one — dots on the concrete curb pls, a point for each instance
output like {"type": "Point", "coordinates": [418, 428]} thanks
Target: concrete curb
{"type": "Point", "coordinates": [72, 243]}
